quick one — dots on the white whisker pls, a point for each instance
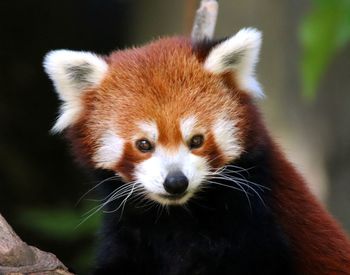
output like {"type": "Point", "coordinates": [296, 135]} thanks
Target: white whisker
{"type": "Point", "coordinates": [97, 185]}
{"type": "Point", "coordinates": [233, 173]}
{"type": "Point", "coordinates": [115, 194]}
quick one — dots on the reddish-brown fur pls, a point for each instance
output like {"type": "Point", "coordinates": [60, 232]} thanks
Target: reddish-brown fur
{"type": "Point", "coordinates": [321, 246]}
{"type": "Point", "coordinates": [167, 73]}
{"type": "Point", "coordinates": [162, 82]}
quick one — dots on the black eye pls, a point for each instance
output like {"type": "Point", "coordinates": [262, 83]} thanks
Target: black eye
{"type": "Point", "coordinates": [196, 141]}
{"type": "Point", "coordinates": [144, 145]}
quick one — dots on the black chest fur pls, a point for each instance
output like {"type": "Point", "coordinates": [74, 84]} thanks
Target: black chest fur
{"type": "Point", "coordinates": [222, 231]}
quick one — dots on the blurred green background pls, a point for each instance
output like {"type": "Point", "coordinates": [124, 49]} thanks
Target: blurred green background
{"type": "Point", "coordinates": [304, 69]}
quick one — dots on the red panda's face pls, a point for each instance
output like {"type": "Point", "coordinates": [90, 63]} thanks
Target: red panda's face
{"type": "Point", "coordinates": [158, 115]}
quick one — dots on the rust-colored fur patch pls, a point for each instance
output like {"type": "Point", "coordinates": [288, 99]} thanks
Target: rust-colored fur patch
{"type": "Point", "coordinates": [320, 245]}
{"type": "Point", "coordinates": [161, 82]}
{"type": "Point", "coordinates": [131, 157]}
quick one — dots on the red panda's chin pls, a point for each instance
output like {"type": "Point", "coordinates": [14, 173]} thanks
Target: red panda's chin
{"type": "Point", "coordinates": [166, 199]}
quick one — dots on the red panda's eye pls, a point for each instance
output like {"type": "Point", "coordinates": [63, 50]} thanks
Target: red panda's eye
{"type": "Point", "coordinates": [144, 145]}
{"type": "Point", "coordinates": [196, 141]}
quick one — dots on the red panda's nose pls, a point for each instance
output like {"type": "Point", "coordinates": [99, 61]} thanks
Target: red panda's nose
{"type": "Point", "coordinates": [176, 183]}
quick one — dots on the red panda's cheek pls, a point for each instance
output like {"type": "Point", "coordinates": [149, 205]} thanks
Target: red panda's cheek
{"type": "Point", "coordinates": [222, 144]}
{"type": "Point", "coordinates": [227, 139]}
{"type": "Point", "coordinates": [107, 150]}
{"type": "Point", "coordinates": [130, 158]}
{"type": "Point", "coordinates": [211, 152]}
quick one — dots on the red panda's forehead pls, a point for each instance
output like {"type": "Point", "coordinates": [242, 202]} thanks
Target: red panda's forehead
{"type": "Point", "coordinates": [164, 83]}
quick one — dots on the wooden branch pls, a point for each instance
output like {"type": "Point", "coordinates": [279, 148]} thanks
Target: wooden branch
{"type": "Point", "coordinates": [205, 20]}
{"type": "Point", "coordinates": [17, 258]}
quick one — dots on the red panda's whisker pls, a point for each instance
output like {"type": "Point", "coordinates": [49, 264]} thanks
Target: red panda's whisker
{"type": "Point", "coordinates": [210, 161]}
{"type": "Point", "coordinates": [245, 184]}
{"type": "Point", "coordinates": [225, 170]}
{"type": "Point", "coordinates": [235, 182]}
{"type": "Point", "coordinates": [227, 173]}
{"type": "Point", "coordinates": [126, 193]}
{"type": "Point", "coordinates": [261, 187]}
{"type": "Point", "coordinates": [225, 185]}
{"type": "Point", "coordinates": [105, 201]}
{"type": "Point", "coordinates": [91, 210]}
{"type": "Point", "coordinates": [108, 200]}
{"type": "Point", "coordinates": [139, 197]}
{"type": "Point", "coordinates": [236, 172]}
{"type": "Point", "coordinates": [125, 200]}
{"type": "Point", "coordinates": [241, 169]}
{"type": "Point", "coordinates": [235, 188]}
{"type": "Point", "coordinates": [122, 204]}
{"type": "Point", "coordinates": [257, 193]}
{"type": "Point", "coordinates": [229, 165]}
{"type": "Point", "coordinates": [217, 171]}
{"type": "Point", "coordinates": [118, 191]}
{"type": "Point", "coordinates": [233, 179]}
{"type": "Point", "coordinates": [94, 211]}
{"type": "Point", "coordinates": [246, 194]}
{"type": "Point", "coordinates": [97, 185]}
{"type": "Point", "coordinates": [238, 182]}
{"type": "Point", "coordinates": [122, 191]}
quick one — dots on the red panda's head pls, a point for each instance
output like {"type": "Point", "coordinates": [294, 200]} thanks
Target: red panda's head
{"type": "Point", "coordinates": [164, 115]}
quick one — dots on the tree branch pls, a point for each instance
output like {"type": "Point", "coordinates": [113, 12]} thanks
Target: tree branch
{"type": "Point", "coordinates": [205, 20]}
{"type": "Point", "coordinates": [16, 257]}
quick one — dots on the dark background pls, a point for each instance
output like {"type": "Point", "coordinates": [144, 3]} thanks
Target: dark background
{"type": "Point", "coordinates": [40, 184]}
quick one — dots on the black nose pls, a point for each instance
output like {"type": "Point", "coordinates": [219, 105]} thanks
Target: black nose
{"type": "Point", "coordinates": [175, 183]}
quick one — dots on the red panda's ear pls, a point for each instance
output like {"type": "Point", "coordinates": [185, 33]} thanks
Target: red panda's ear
{"type": "Point", "coordinates": [238, 54]}
{"type": "Point", "coordinates": [72, 72]}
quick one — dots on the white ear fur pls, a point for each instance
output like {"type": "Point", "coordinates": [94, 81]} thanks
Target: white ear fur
{"type": "Point", "coordinates": [71, 73]}
{"type": "Point", "coordinates": [238, 54]}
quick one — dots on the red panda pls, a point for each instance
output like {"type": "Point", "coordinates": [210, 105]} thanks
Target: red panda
{"type": "Point", "coordinates": [173, 125]}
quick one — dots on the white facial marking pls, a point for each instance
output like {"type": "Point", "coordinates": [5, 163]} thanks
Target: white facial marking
{"type": "Point", "coordinates": [225, 137]}
{"type": "Point", "coordinates": [187, 126]}
{"type": "Point", "coordinates": [71, 73]}
{"type": "Point", "coordinates": [152, 172]}
{"type": "Point", "coordinates": [109, 151]}
{"type": "Point", "coordinates": [150, 129]}
{"type": "Point", "coordinates": [68, 114]}
{"type": "Point", "coordinates": [239, 54]}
